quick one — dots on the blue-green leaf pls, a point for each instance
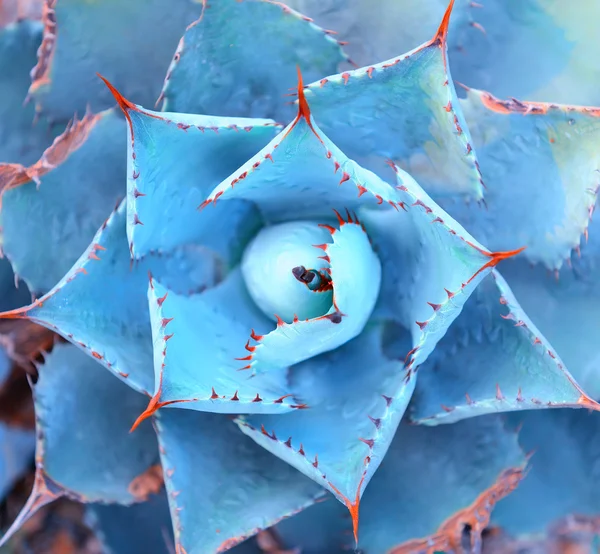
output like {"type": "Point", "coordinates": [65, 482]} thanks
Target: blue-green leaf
{"type": "Point", "coordinates": [84, 449]}
{"type": "Point", "coordinates": [240, 58]}
{"type": "Point", "coordinates": [540, 163]}
{"type": "Point", "coordinates": [493, 359]}
{"type": "Point", "coordinates": [240, 490]}
{"type": "Point", "coordinates": [51, 209]}
{"type": "Point", "coordinates": [356, 397]}
{"type": "Point", "coordinates": [404, 109]}
{"type": "Point", "coordinates": [82, 38]}
{"type": "Point", "coordinates": [100, 305]}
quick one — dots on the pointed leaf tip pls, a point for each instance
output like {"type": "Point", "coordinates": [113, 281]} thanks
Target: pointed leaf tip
{"type": "Point", "coordinates": [442, 33]}
{"type": "Point", "coordinates": [303, 108]}
{"type": "Point", "coordinates": [124, 104]}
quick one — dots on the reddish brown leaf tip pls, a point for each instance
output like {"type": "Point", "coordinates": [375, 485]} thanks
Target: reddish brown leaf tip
{"type": "Point", "coordinates": [303, 109]}
{"type": "Point", "coordinates": [153, 406]}
{"type": "Point", "coordinates": [442, 32]}
{"type": "Point", "coordinates": [124, 104]}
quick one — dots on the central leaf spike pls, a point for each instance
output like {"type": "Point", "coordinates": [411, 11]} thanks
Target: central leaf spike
{"type": "Point", "coordinates": [315, 280]}
{"type": "Point", "coordinates": [275, 271]}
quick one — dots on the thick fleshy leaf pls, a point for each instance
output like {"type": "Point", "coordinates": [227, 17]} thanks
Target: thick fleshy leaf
{"type": "Point", "coordinates": [302, 174]}
{"type": "Point", "coordinates": [240, 58]}
{"type": "Point", "coordinates": [174, 161]}
{"type": "Point", "coordinates": [430, 266]}
{"type": "Point", "coordinates": [540, 163]}
{"type": "Point", "coordinates": [356, 398]}
{"type": "Point", "coordinates": [196, 339]}
{"type": "Point", "coordinates": [404, 109]}
{"type": "Point", "coordinates": [534, 49]}
{"type": "Point", "coordinates": [566, 309]}
{"type": "Point", "coordinates": [16, 453]}
{"type": "Point", "coordinates": [434, 482]}
{"type": "Point", "coordinates": [51, 210]}
{"type": "Point", "coordinates": [563, 478]}
{"type": "Point", "coordinates": [493, 359]}
{"type": "Point", "coordinates": [20, 140]}
{"type": "Point", "coordinates": [100, 305]}
{"type": "Point", "coordinates": [84, 449]}
{"type": "Point", "coordinates": [241, 489]}
{"type": "Point", "coordinates": [143, 527]}
{"type": "Point", "coordinates": [82, 38]}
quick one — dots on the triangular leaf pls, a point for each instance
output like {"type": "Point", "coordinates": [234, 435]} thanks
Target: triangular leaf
{"type": "Point", "coordinates": [493, 359]}
{"type": "Point", "coordinates": [173, 161]}
{"type": "Point", "coordinates": [356, 398]}
{"type": "Point", "coordinates": [405, 109]}
{"type": "Point", "coordinates": [196, 339]}
{"type": "Point", "coordinates": [430, 266]}
{"type": "Point", "coordinates": [240, 58]}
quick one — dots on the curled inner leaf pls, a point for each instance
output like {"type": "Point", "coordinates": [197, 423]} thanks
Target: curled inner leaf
{"type": "Point", "coordinates": [317, 309]}
{"type": "Point", "coordinates": [285, 274]}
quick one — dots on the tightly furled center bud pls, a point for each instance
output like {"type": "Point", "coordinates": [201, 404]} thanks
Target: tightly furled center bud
{"type": "Point", "coordinates": [285, 272]}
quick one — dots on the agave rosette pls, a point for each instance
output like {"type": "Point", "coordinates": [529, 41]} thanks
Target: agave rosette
{"type": "Point", "coordinates": [269, 306]}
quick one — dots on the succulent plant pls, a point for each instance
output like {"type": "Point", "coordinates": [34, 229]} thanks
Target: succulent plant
{"type": "Point", "coordinates": [276, 321]}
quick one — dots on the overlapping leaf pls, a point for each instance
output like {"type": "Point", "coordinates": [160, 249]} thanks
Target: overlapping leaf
{"type": "Point", "coordinates": [16, 452]}
{"type": "Point", "coordinates": [566, 309]}
{"type": "Point", "coordinates": [51, 209]}
{"type": "Point", "coordinates": [563, 478]}
{"type": "Point", "coordinates": [432, 484]}
{"type": "Point", "coordinates": [83, 448]}
{"type": "Point", "coordinates": [435, 481]}
{"type": "Point", "coordinates": [196, 339]}
{"type": "Point", "coordinates": [301, 173]}
{"type": "Point", "coordinates": [142, 527]}
{"type": "Point", "coordinates": [356, 398]}
{"type": "Point", "coordinates": [493, 359]}
{"type": "Point", "coordinates": [20, 140]}
{"type": "Point", "coordinates": [100, 304]}
{"type": "Point", "coordinates": [173, 161]}
{"type": "Point", "coordinates": [116, 39]}
{"type": "Point", "coordinates": [239, 489]}
{"type": "Point", "coordinates": [540, 162]}
{"type": "Point", "coordinates": [404, 109]}
{"type": "Point", "coordinates": [532, 49]}
{"type": "Point", "coordinates": [378, 33]}
{"type": "Point", "coordinates": [239, 59]}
